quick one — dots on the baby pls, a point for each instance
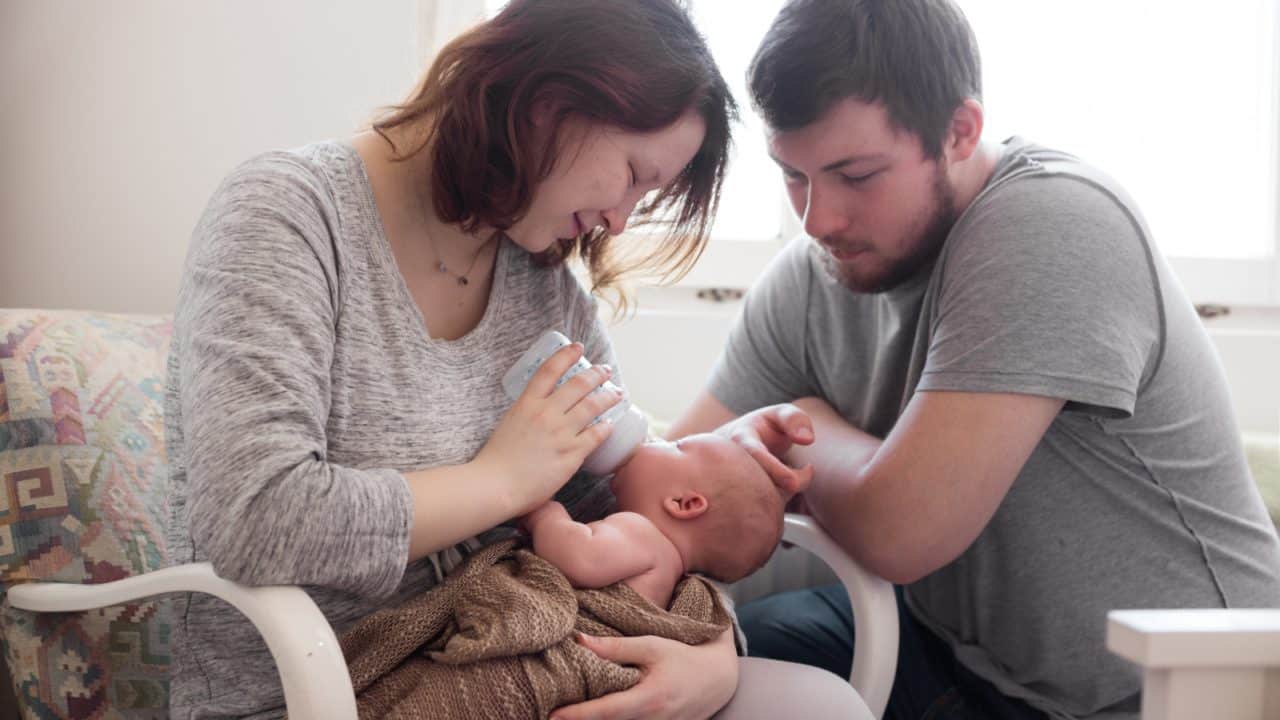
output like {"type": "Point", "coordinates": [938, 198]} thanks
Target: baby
{"type": "Point", "coordinates": [504, 620]}
{"type": "Point", "coordinates": [700, 504]}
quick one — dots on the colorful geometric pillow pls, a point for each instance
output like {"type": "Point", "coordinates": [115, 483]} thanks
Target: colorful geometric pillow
{"type": "Point", "coordinates": [83, 500]}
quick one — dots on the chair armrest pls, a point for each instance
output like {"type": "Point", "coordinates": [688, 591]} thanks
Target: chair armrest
{"type": "Point", "coordinates": [312, 669]}
{"type": "Point", "coordinates": [1202, 663]}
{"type": "Point", "coordinates": [875, 612]}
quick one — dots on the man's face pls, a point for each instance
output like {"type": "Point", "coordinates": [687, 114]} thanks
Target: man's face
{"type": "Point", "coordinates": [867, 194]}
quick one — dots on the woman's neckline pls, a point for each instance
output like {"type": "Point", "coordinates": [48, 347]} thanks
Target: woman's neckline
{"type": "Point", "coordinates": [385, 257]}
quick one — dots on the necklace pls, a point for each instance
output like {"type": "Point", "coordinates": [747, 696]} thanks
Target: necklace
{"type": "Point", "coordinates": [461, 279]}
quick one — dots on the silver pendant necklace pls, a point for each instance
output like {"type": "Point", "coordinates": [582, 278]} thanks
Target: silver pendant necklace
{"type": "Point", "coordinates": [460, 279]}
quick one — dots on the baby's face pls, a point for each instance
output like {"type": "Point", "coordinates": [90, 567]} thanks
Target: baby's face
{"type": "Point", "coordinates": [697, 461]}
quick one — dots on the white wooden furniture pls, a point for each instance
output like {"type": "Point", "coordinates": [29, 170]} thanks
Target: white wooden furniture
{"type": "Point", "coordinates": [1202, 664]}
{"type": "Point", "coordinates": [314, 675]}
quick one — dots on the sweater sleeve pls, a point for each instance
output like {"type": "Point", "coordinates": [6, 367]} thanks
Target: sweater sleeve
{"type": "Point", "coordinates": [255, 321]}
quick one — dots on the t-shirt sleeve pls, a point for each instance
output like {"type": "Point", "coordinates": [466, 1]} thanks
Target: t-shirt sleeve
{"type": "Point", "coordinates": [1048, 289]}
{"type": "Point", "coordinates": [763, 361]}
{"type": "Point", "coordinates": [255, 318]}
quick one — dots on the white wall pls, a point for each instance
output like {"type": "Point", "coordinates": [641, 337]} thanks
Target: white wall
{"type": "Point", "coordinates": [118, 119]}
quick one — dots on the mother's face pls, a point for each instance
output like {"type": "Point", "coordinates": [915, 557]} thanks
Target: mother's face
{"type": "Point", "coordinates": [600, 175]}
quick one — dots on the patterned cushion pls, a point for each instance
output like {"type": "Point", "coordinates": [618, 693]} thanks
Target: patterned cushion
{"type": "Point", "coordinates": [83, 500]}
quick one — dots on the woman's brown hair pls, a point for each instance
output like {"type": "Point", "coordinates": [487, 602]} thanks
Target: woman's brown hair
{"type": "Point", "coordinates": [634, 64]}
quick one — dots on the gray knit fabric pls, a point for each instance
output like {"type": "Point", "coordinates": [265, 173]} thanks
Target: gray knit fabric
{"type": "Point", "coordinates": [301, 385]}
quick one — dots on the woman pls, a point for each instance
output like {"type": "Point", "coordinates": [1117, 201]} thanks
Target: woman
{"type": "Point", "coordinates": [334, 413]}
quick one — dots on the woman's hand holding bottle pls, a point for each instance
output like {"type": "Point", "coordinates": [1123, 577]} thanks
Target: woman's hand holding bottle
{"type": "Point", "coordinates": [548, 432]}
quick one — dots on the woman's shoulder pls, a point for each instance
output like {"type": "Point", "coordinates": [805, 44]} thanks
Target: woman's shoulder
{"type": "Point", "coordinates": [289, 177]}
{"type": "Point", "coordinates": [275, 209]}
{"type": "Point", "coordinates": [310, 193]}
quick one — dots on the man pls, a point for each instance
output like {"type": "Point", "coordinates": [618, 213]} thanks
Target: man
{"type": "Point", "coordinates": [1018, 415]}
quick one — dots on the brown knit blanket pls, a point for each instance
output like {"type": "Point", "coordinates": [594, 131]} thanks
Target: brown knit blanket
{"type": "Point", "coordinates": [495, 640]}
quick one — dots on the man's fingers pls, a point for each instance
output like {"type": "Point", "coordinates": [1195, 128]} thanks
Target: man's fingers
{"type": "Point", "coordinates": [794, 423]}
{"type": "Point", "coordinates": [803, 478]}
{"type": "Point", "coordinates": [787, 479]}
{"type": "Point", "coordinates": [749, 442]}
{"type": "Point", "coordinates": [777, 470]}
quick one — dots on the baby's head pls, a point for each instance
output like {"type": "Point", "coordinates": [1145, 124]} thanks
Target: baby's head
{"type": "Point", "coordinates": [707, 491]}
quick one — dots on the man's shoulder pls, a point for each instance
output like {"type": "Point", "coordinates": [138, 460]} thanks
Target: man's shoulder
{"type": "Point", "coordinates": [1045, 206]}
{"type": "Point", "coordinates": [1037, 183]}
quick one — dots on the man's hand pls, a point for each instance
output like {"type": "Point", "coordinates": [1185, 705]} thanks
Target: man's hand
{"type": "Point", "coordinates": [767, 434]}
{"type": "Point", "coordinates": [798, 505]}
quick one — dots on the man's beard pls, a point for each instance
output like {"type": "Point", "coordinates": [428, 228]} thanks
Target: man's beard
{"type": "Point", "coordinates": [930, 232]}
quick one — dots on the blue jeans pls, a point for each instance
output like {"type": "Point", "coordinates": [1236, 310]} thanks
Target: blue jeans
{"type": "Point", "coordinates": [815, 627]}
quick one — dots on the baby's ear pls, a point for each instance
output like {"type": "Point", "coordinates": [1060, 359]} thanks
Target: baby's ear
{"type": "Point", "coordinates": [689, 504]}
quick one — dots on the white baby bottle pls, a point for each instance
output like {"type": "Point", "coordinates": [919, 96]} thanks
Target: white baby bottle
{"type": "Point", "coordinates": [629, 426]}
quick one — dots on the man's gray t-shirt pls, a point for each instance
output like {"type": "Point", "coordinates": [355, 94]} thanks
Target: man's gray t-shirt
{"type": "Point", "coordinates": [1137, 496]}
{"type": "Point", "coordinates": [301, 384]}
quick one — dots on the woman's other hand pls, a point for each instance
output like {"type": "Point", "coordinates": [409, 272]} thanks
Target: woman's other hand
{"type": "Point", "coordinates": [677, 681]}
{"type": "Point", "coordinates": [545, 436]}
{"type": "Point", "coordinates": [767, 434]}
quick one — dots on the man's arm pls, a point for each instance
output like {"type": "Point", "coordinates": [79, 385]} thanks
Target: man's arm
{"type": "Point", "coordinates": [592, 555]}
{"type": "Point", "coordinates": [908, 505]}
{"type": "Point", "coordinates": [704, 415]}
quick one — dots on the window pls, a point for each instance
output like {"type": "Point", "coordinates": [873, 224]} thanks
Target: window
{"type": "Point", "coordinates": [1176, 100]}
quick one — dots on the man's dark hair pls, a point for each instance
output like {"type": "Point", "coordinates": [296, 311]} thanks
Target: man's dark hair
{"type": "Point", "coordinates": [918, 58]}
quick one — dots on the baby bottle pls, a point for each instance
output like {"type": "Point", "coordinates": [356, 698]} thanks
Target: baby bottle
{"type": "Point", "coordinates": [629, 426]}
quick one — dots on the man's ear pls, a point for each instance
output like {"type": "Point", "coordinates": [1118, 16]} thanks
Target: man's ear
{"type": "Point", "coordinates": [964, 132]}
{"type": "Point", "coordinates": [688, 505]}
